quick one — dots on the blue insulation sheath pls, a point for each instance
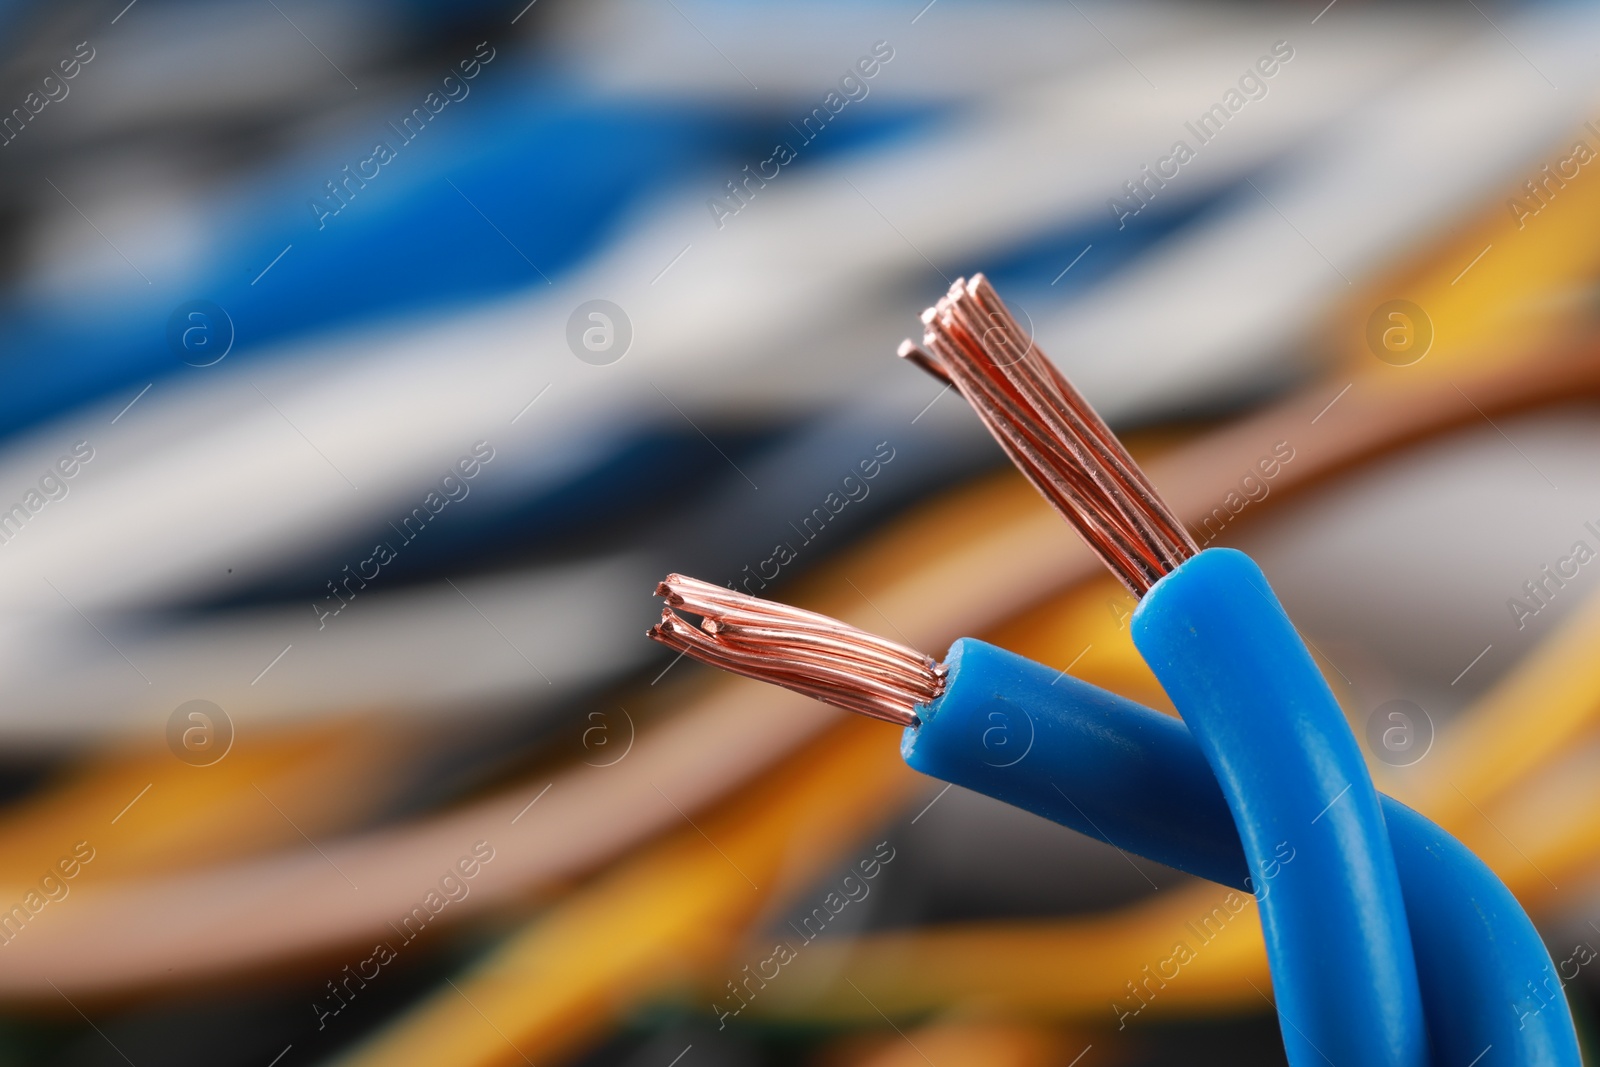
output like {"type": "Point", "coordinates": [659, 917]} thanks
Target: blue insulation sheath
{"type": "Point", "coordinates": [1107, 767]}
{"type": "Point", "coordinates": [1225, 651]}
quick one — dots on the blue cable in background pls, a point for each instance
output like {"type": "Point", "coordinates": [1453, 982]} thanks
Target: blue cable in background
{"type": "Point", "coordinates": [470, 209]}
{"type": "Point", "coordinates": [507, 188]}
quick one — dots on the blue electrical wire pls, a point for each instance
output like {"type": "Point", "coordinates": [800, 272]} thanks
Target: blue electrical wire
{"type": "Point", "coordinates": [1310, 823]}
{"type": "Point", "coordinates": [1046, 742]}
{"type": "Point", "coordinates": [1335, 923]}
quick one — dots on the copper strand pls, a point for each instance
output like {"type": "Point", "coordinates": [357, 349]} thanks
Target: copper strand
{"type": "Point", "coordinates": [1056, 480]}
{"type": "Point", "coordinates": [1122, 464]}
{"type": "Point", "coordinates": [1066, 416]}
{"type": "Point", "coordinates": [1053, 471]}
{"type": "Point", "coordinates": [800, 650]}
{"type": "Point", "coordinates": [1110, 466]}
{"type": "Point", "coordinates": [1051, 433]}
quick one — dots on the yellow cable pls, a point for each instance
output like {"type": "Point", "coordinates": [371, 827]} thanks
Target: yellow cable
{"type": "Point", "coordinates": [1081, 968]}
{"type": "Point", "coordinates": [1543, 838]}
{"type": "Point", "coordinates": [1525, 719]}
{"type": "Point", "coordinates": [145, 810]}
{"type": "Point", "coordinates": [665, 916]}
{"type": "Point", "coordinates": [1494, 290]}
{"type": "Point", "coordinates": [971, 1043]}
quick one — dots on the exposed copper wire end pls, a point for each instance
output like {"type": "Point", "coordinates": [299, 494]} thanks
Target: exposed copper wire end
{"type": "Point", "coordinates": [912, 354]}
{"type": "Point", "coordinates": [800, 650]}
{"type": "Point", "coordinates": [1051, 433]}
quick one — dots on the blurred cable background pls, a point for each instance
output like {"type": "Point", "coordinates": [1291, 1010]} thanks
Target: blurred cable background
{"type": "Point", "coordinates": [363, 366]}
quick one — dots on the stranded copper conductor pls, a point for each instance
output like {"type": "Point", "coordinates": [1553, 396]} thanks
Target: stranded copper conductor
{"type": "Point", "coordinates": [812, 654]}
{"type": "Point", "coordinates": [1051, 433]}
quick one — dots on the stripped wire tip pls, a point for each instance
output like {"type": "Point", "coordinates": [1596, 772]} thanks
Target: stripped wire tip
{"type": "Point", "coordinates": [1051, 433]}
{"type": "Point", "coordinates": [800, 650]}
